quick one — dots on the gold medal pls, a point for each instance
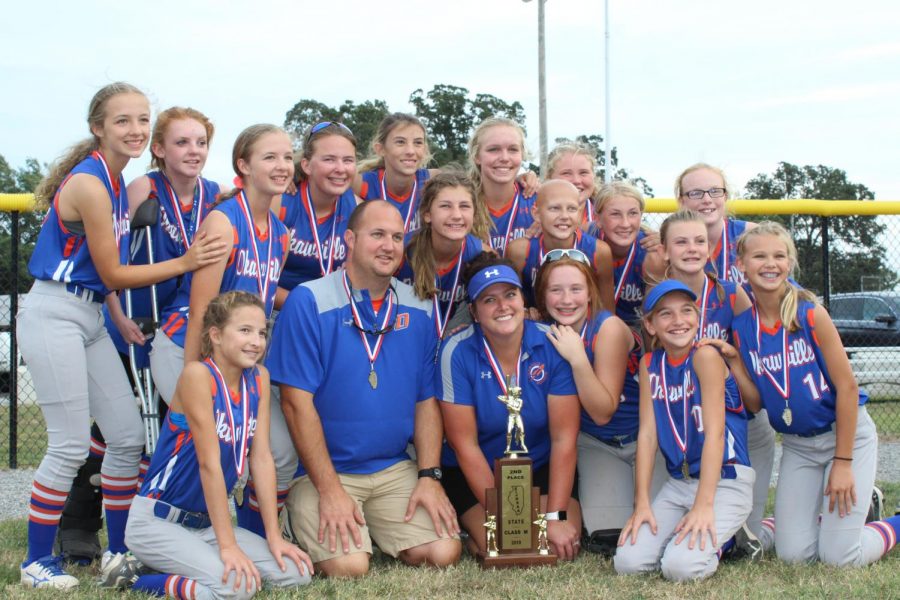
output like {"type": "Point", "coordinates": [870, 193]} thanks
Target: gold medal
{"type": "Point", "coordinates": [787, 417]}
{"type": "Point", "coordinates": [239, 494]}
{"type": "Point", "coordinates": [685, 470]}
{"type": "Point", "coordinates": [373, 379]}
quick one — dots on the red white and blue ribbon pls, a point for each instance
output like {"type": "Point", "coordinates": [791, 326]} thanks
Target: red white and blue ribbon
{"type": "Point", "coordinates": [629, 261]}
{"type": "Point", "coordinates": [723, 253]}
{"type": "Point", "coordinates": [120, 209]}
{"type": "Point", "coordinates": [313, 225]}
{"type": "Point", "coordinates": [262, 279]}
{"type": "Point", "coordinates": [440, 320]}
{"type": "Point", "coordinates": [498, 370]}
{"type": "Point", "coordinates": [783, 388]}
{"type": "Point", "coordinates": [704, 304]}
{"type": "Point", "coordinates": [187, 231]}
{"type": "Point", "coordinates": [410, 208]}
{"type": "Point", "coordinates": [680, 441]}
{"type": "Point", "coordinates": [239, 451]}
{"type": "Point", "coordinates": [371, 353]}
{"type": "Point", "coordinates": [509, 226]}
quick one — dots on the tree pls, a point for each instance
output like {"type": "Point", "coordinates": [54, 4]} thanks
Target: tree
{"type": "Point", "coordinates": [18, 181]}
{"type": "Point", "coordinates": [855, 250]}
{"type": "Point", "coordinates": [595, 142]}
{"type": "Point", "coordinates": [362, 119]}
{"type": "Point", "coordinates": [450, 116]}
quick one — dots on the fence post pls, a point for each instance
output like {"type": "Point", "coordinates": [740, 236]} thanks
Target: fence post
{"type": "Point", "coordinates": [826, 266]}
{"type": "Point", "coordinates": [13, 346]}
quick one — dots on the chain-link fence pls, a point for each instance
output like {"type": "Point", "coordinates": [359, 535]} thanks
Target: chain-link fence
{"type": "Point", "coordinates": [852, 262]}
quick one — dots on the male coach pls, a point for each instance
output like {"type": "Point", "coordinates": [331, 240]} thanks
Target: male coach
{"type": "Point", "coordinates": [354, 355]}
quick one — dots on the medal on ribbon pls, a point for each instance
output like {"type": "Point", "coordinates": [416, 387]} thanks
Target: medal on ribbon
{"type": "Point", "coordinates": [784, 388]}
{"type": "Point", "coordinates": [262, 279]}
{"type": "Point", "coordinates": [239, 451]}
{"type": "Point", "coordinates": [680, 441]}
{"type": "Point", "coordinates": [371, 353]}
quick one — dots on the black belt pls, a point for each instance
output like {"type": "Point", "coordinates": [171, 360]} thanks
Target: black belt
{"type": "Point", "coordinates": [619, 441]}
{"type": "Point", "coordinates": [172, 514]}
{"type": "Point", "coordinates": [84, 293]}
{"type": "Point", "coordinates": [814, 432]}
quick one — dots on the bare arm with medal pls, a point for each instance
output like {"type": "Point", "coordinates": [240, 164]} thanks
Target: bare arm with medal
{"type": "Point", "coordinates": [262, 468]}
{"type": "Point", "coordinates": [339, 515]}
{"type": "Point", "coordinates": [647, 445]}
{"type": "Point", "coordinates": [700, 520]}
{"type": "Point", "coordinates": [205, 283]}
{"type": "Point", "coordinates": [193, 398]}
{"type": "Point", "coordinates": [841, 488]}
{"type": "Point", "coordinates": [429, 493]}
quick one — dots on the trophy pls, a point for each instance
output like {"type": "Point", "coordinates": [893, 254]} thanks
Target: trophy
{"type": "Point", "coordinates": [516, 530]}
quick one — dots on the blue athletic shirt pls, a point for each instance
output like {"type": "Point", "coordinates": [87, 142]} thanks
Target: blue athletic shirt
{"type": "Point", "coordinates": [374, 188]}
{"type": "Point", "coordinates": [174, 472]}
{"type": "Point", "coordinates": [624, 423]}
{"type": "Point", "coordinates": [317, 348]}
{"type": "Point", "coordinates": [585, 243]}
{"type": "Point", "coordinates": [628, 276]}
{"type": "Point", "coordinates": [682, 385]}
{"type": "Point", "coordinates": [810, 390]}
{"type": "Point", "coordinates": [467, 378]}
{"type": "Point", "coordinates": [176, 221]}
{"type": "Point", "coordinates": [723, 263]}
{"type": "Point", "coordinates": [519, 210]}
{"type": "Point", "coordinates": [62, 255]}
{"type": "Point", "coordinates": [241, 270]}
{"type": "Point", "coordinates": [303, 263]}
{"type": "Point", "coordinates": [445, 279]}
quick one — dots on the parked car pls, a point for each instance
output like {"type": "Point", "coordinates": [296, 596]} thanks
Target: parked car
{"type": "Point", "coordinates": [867, 318]}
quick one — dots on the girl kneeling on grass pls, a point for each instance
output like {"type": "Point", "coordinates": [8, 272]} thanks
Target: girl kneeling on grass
{"type": "Point", "coordinates": [791, 362]}
{"type": "Point", "coordinates": [708, 494]}
{"type": "Point", "coordinates": [218, 421]}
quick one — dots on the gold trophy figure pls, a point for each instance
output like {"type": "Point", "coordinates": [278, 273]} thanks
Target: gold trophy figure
{"type": "Point", "coordinates": [543, 546]}
{"type": "Point", "coordinates": [514, 425]}
{"type": "Point", "coordinates": [491, 530]}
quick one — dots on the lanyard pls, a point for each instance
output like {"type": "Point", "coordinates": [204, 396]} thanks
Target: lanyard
{"type": "Point", "coordinates": [411, 207]}
{"type": "Point", "coordinates": [119, 208]}
{"type": "Point", "coordinates": [680, 441]}
{"type": "Point", "coordinates": [371, 354]}
{"type": "Point", "coordinates": [441, 320]}
{"type": "Point", "coordinates": [262, 281]}
{"type": "Point", "coordinates": [509, 226]}
{"type": "Point", "coordinates": [625, 269]}
{"type": "Point", "coordinates": [498, 370]}
{"type": "Point", "coordinates": [723, 252]}
{"type": "Point", "coordinates": [784, 388]}
{"type": "Point", "coordinates": [704, 304]}
{"type": "Point", "coordinates": [238, 452]}
{"type": "Point", "coordinates": [314, 226]}
{"type": "Point", "coordinates": [187, 231]}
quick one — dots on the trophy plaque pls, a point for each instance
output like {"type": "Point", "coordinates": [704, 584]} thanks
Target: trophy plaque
{"type": "Point", "coordinates": [516, 529]}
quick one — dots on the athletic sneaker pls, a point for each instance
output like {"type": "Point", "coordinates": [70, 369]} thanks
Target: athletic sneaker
{"type": "Point", "coordinates": [119, 570]}
{"type": "Point", "coordinates": [876, 506]}
{"type": "Point", "coordinates": [47, 572]}
{"type": "Point", "coordinates": [747, 545]}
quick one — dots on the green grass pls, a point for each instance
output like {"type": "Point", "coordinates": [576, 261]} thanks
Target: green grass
{"type": "Point", "coordinates": [32, 434]}
{"type": "Point", "coordinates": [587, 577]}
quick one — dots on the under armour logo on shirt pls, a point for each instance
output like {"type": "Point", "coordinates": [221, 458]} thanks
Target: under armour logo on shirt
{"type": "Point", "coordinates": [485, 374]}
{"type": "Point", "coordinates": [491, 273]}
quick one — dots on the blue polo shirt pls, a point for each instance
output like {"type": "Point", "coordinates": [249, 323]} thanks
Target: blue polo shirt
{"type": "Point", "coordinates": [317, 348]}
{"type": "Point", "coordinates": [466, 378]}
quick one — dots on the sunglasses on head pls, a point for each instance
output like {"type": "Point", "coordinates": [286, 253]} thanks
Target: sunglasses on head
{"type": "Point", "coordinates": [324, 124]}
{"type": "Point", "coordinates": [570, 253]}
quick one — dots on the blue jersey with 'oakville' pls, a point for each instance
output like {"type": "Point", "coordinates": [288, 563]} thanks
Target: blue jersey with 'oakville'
{"type": "Point", "coordinates": [722, 259]}
{"type": "Point", "coordinates": [61, 254]}
{"type": "Point", "coordinates": [677, 406]}
{"type": "Point", "coordinates": [174, 472]}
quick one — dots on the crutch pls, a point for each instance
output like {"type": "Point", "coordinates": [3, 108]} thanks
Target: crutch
{"type": "Point", "coordinates": [142, 223]}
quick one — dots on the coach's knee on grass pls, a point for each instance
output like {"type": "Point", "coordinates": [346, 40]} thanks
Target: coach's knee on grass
{"type": "Point", "coordinates": [439, 553]}
{"type": "Point", "coordinates": [351, 565]}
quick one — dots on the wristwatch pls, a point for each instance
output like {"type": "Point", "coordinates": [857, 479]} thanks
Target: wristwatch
{"type": "Point", "coordinates": [434, 472]}
{"type": "Point", "coordinates": [557, 515]}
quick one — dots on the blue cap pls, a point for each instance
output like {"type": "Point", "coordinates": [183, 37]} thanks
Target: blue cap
{"type": "Point", "coordinates": [666, 287]}
{"type": "Point", "coordinates": [489, 276]}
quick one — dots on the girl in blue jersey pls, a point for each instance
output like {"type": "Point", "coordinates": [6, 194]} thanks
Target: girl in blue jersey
{"type": "Point", "coordinates": [397, 171]}
{"type": "Point", "coordinates": [439, 251]}
{"type": "Point", "coordinates": [798, 370]}
{"type": "Point", "coordinates": [214, 435]}
{"type": "Point", "coordinates": [704, 189]}
{"type": "Point", "coordinates": [557, 210]}
{"type": "Point", "coordinates": [474, 364]}
{"type": "Point", "coordinates": [706, 499]}
{"type": "Point", "coordinates": [619, 209]}
{"type": "Point", "coordinates": [316, 214]}
{"type": "Point", "coordinates": [76, 373]}
{"type": "Point", "coordinates": [496, 151]}
{"type": "Point", "coordinates": [604, 353]}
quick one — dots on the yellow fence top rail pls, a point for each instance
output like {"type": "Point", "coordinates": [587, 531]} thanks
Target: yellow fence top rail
{"type": "Point", "coordinates": [826, 208]}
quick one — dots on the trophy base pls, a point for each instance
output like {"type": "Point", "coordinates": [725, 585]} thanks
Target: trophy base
{"type": "Point", "coordinates": [519, 560]}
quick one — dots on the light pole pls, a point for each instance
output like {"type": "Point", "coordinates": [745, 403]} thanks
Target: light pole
{"type": "Point", "coordinates": [607, 172]}
{"type": "Point", "coordinates": [542, 88]}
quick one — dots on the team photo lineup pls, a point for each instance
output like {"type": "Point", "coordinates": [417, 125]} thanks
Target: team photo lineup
{"type": "Point", "coordinates": [336, 347]}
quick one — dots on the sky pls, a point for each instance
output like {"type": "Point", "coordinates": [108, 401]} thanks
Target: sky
{"type": "Point", "coordinates": [742, 85]}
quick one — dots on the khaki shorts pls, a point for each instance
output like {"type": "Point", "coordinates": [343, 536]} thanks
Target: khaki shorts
{"type": "Point", "coordinates": [382, 497]}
